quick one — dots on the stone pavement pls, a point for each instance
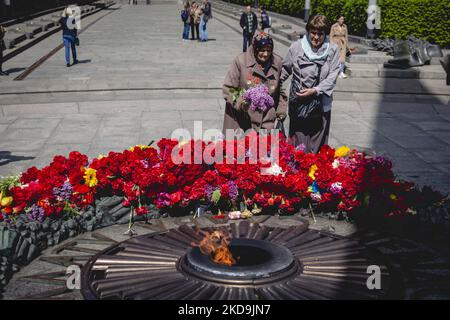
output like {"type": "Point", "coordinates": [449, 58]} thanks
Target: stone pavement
{"type": "Point", "coordinates": [138, 81]}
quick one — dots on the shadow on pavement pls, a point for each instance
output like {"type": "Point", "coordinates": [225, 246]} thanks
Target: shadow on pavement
{"type": "Point", "coordinates": [84, 61]}
{"type": "Point", "coordinates": [6, 157]}
{"type": "Point", "coordinates": [14, 70]}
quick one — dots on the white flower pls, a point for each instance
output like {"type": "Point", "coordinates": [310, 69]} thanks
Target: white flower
{"type": "Point", "coordinates": [316, 197]}
{"type": "Point", "coordinates": [273, 170]}
{"type": "Point", "coordinates": [234, 215]}
{"type": "Point", "coordinates": [335, 164]}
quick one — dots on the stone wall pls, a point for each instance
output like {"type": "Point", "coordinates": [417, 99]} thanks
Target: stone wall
{"type": "Point", "coordinates": [14, 9]}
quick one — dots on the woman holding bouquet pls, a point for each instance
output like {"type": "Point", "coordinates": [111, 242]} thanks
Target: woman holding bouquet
{"type": "Point", "coordinates": [253, 95]}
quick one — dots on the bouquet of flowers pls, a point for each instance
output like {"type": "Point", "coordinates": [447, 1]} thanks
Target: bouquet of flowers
{"type": "Point", "coordinates": [259, 98]}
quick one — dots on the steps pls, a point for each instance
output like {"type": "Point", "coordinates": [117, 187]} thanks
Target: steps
{"type": "Point", "coordinates": [21, 36]}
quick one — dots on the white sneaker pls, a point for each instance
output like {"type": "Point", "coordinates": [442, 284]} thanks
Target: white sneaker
{"type": "Point", "coordinates": [343, 76]}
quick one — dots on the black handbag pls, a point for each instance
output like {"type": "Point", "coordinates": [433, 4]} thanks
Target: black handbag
{"type": "Point", "coordinates": [77, 41]}
{"type": "Point", "coordinates": [310, 107]}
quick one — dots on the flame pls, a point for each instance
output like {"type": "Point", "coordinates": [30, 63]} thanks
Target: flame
{"type": "Point", "coordinates": [216, 244]}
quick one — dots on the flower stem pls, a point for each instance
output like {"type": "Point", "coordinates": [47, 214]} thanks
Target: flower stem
{"type": "Point", "coordinates": [312, 212]}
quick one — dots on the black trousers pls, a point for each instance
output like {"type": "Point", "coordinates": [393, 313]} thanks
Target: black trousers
{"type": "Point", "coordinates": [311, 132]}
{"type": "Point", "coordinates": [195, 27]}
{"type": "Point", "coordinates": [247, 41]}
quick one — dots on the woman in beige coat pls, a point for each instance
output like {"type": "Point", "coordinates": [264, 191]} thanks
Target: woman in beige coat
{"type": "Point", "coordinates": [339, 36]}
{"type": "Point", "coordinates": [259, 65]}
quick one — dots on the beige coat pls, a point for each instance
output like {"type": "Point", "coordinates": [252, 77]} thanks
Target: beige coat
{"type": "Point", "coordinates": [339, 35]}
{"type": "Point", "coordinates": [197, 14]}
{"type": "Point", "coordinates": [243, 72]}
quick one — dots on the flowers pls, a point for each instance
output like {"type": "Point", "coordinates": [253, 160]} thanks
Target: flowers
{"type": "Point", "coordinates": [6, 201]}
{"type": "Point", "coordinates": [334, 180]}
{"type": "Point", "coordinates": [341, 151]}
{"type": "Point", "coordinates": [336, 188]}
{"type": "Point", "coordinates": [90, 177]}
{"type": "Point", "coordinates": [312, 172]}
{"type": "Point", "coordinates": [259, 98]}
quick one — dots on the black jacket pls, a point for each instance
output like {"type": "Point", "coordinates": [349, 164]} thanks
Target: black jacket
{"type": "Point", "coordinates": [66, 30]}
{"type": "Point", "coordinates": [244, 23]}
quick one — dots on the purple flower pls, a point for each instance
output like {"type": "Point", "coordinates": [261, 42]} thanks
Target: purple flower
{"type": "Point", "coordinates": [336, 188]}
{"type": "Point", "coordinates": [64, 192]}
{"type": "Point", "coordinates": [145, 163]}
{"type": "Point", "coordinates": [209, 189]}
{"type": "Point", "coordinates": [163, 200]}
{"type": "Point", "coordinates": [36, 213]}
{"type": "Point", "coordinates": [300, 147]}
{"type": "Point", "coordinates": [382, 162]}
{"type": "Point", "coordinates": [233, 190]}
{"type": "Point", "coordinates": [259, 98]}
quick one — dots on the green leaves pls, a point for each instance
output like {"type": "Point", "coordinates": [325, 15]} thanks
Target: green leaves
{"type": "Point", "coordinates": [7, 183]}
{"type": "Point", "coordinates": [426, 19]}
{"type": "Point", "coordinates": [215, 197]}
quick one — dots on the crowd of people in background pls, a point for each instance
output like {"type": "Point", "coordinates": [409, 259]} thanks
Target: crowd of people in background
{"type": "Point", "coordinates": [195, 17]}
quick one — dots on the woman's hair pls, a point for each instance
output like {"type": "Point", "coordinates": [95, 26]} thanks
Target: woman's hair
{"type": "Point", "coordinates": [66, 12]}
{"type": "Point", "coordinates": [319, 22]}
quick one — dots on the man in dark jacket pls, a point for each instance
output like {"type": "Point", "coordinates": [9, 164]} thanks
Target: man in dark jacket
{"type": "Point", "coordinates": [249, 23]}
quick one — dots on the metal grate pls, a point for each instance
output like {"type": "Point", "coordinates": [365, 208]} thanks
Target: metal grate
{"type": "Point", "coordinates": [152, 267]}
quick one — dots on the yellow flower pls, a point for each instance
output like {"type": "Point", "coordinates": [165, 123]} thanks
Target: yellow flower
{"type": "Point", "coordinates": [246, 214]}
{"type": "Point", "coordinates": [312, 171]}
{"type": "Point", "coordinates": [393, 197]}
{"type": "Point", "coordinates": [90, 177]}
{"type": "Point", "coordinates": [342, 151]}
{"type": "Point", "coordinates": [6, 201]}
{"type": "Point", "coordinates": [310, 189]}
{"type": "Point", "coordinates": [140, 146]}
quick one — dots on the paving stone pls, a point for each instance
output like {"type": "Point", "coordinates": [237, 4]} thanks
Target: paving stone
{"type": "Point", "coordinates": [416, 141]}
{"type": "Point", "coordinates": [27, 133]}
{"type": "Point", "coordinates": [54, 108]}
{"type": "Point", "coordinates": [29, 123]}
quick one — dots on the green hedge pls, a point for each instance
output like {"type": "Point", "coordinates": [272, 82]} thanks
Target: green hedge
{"type": "Point", "coordinates": [425, 19]}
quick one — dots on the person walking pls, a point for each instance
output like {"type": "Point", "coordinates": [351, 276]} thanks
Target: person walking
{"type": "Point", "coordinates": [339, 36]}
{"type": "Point", "coordinates": [313, 62]}
{"type": "Point", "coordinates": [186, 17]}
{"type": "Point", "coordinates": [265, 20]}
{"type": "Point", "coordinates": [2, 35]}
{"type": "Point", "coordinates": [205, 17]}
{"type": "Point", "coordinates": [195, 14]}
{"type": "Point", "coordinates": [249, 23]}
{"type": "Point", "coordinates": [70, 35]}
{"type": "Point", "coordinates": [258, 66]}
